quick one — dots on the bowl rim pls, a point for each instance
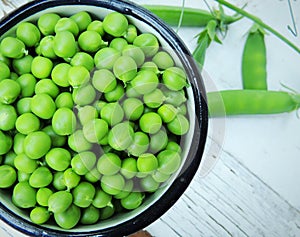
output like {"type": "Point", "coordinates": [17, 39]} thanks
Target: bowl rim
{"type": "Point", "coordinates": [194, 157]}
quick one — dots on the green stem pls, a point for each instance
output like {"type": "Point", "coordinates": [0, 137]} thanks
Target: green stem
{"type": "Point", "coordinates": [259, 22]}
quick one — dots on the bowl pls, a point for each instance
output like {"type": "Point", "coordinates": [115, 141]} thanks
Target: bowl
{"type": "Point", "coordinates": [193, 145]}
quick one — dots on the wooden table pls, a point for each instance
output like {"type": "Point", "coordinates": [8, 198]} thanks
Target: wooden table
{"type": "Point", "coordinates": [253, 187]}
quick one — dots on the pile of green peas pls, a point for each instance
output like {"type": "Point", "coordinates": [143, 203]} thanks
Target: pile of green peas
{"type": "Point", "coordinates": [92, 113]}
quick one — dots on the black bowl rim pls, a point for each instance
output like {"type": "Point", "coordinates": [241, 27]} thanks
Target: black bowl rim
{"type": "Point", "coordinates": [180, 184]}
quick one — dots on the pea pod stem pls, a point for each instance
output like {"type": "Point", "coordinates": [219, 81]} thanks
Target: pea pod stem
{"type": "Point", "coordinates": [259, 22]}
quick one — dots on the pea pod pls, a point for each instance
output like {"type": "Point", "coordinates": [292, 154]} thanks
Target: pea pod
{"type": "Point", "coordinates": [254, 60]}
{"type": "Point", "coordinates": [236, 102]}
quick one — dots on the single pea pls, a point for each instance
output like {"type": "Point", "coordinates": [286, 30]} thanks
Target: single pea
{"type": "Point", "coordinates": [160, 177]}
{"type": "Point", "coordinates": [131, 33]}
{"type": "Point", "coordinates": [104, 80]}
{"type": "Point", "coordinates": [8, 176]}
{"type": "Point", "coordinates": [175, 98]}
{"type": "Point", "coordinates": [158, 141]}
{"type": "Point", "coordinates": [4, 71]}
{"type": "Point", "coordinates": [120, 137]}
{"type": "Point", "coordinates": [39, 215]}
{"type": "Point", "coordinates": [58, 159]}
{"type": "Point", "coordinates": [23, 176]}
{"type": "Point", "coordinates": [8, 117]}
{"type": "Point", "coordinates": [8, 158]}
{"type": "Point", "coordinates": [101, 199]}
{"type": "Point", "coordinates": [107, 212]}
{"type": "Point", "coordinates": [147, 163]}
{"type": "Point", "coordinates": [42, 196]}
{"type": "Point", "coordinates": [47, 22]}
{"type": "Point", "coordinates": [90, 41]}
{"type": "Point", "coordinates": [90, 215]}
{"type": "Point", "coordinates": [150, 122]}
{"type": "Point", "coordinates": [9, 91]}
{"type": "Point", "coordinates": [106, 57]}
{"type": "Point", "coordinates": [77, 142]}
{"type": "Point", "coordinates": [66, 24]}
{"type": "Point", "coordinates": [27, 83]}
{"type": "Point", "coordinates": [133, 108]}
{"type": "Point", "coordinates": [69, 218]}
{"type": "Point", "coordinates": [112, 113]}
{"type": "Point", "coordinates": [135, 53]}
{"type": "Point", "coordinates": [126, 190]}
{"type": "Point", "coordinates": [59, 201]}
{"type": "Point", "coordinates": [174, 78]}
{"type": "Point", "coordinates": [41, 67]}
{"type": "Point", "coordinates": [139, 145]}
{"type": "Point", "coordinates": [148, 43]}
{"type": "Point", "coordinates": [27, 123]}
{"type": "Point", "coordinates": [112, 184]}
{"type": "Point", "coordinates": [145, 82]}
{"type": "Point", "coordinates": [56, 140]}
{"type": "Point", "coordinates": [78, 76]}
{"type": "Point", "coordinates": [118, 44]}
{"type": "Point", "coordinates": [109, 164]}
{"type": "Point", "coordinates": [41, 177]}
{"type": "Point", "coordinates": [83, 59]}
{"type": "Point", "coordinates": [83, 194]}
{"type": "Point", "coordinates": [45, 47]}
{"type": "Point", "coordinates": [64, 44]}
{"type": "Point", "coordinates": [151, 66]}
{"type": "Point", "coordinates": [5, 143]}
{"type": "Point", "coordinates": [37, 144]}
{"type": "Point", "coordinates": [12, 47]}
{"type": "Point", "coordinates": [43, 106]}
{"type": "Point", "coordinates": [25, 164]}
{"type": "Point", "coordinates": [97, 26]}
{"type": "Point", "coordinates": [83, 162]}
{"type": "Point", "coordinates": [82, 19]}
{"type": "Point", "coordinates": [174, 146]}
{"type": "Point", "coordinates": [64, 121]}
{"type": "Point", "coordinates": [87, 113]}
{"type": "Point", "coordinates": [149, 184]}
{"type": "Point", "coordinates": [59, 74]}
{"type": "Point", "coordinates": [125, 68]}
{"type": "Point", "coordinates": [163, 60]}
{"type": "Point", "coordinates": [168, 162]}
{"type": "Point", "coordinates": [64, 99]}
{"type": "Point", "coordinates": [94, 130]}
{"type": "Point", "coordinates": [22, 65]}
{"type": "Point", "coordinates": [133, 200]}
{"type": "Point", "coordinates": [47, 86]}
{"type": "Point", "coordinates": [167, 112]}
{"type": "Point", "coordinates": [116, 94]}
{"type": "Point", "coordinates": [179, 125]}
{"type": "Point", "coordinates": [84, 95]}
{"type": "Point", "coordinates": [93, 175]}
{"type": "Point", "coordinates": [24, 196]}
{"type": "Point", "coordinates": [154, 99]}
{"type": "Point", "coordinates": [58, 181]}
{"type": "Point", "coordinates": [115, 24]}
{"type": "Point", "coordinates": [18, 143]}
{"type": "Point", "coordinates": [28, 33]}
{"type": "Point", "coordinates": [71, 179]}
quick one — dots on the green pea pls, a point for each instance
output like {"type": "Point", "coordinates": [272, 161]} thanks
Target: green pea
{"type": "Point", "coordinates": [27, 83]}
{"type": "Point", "coordinates": [160, 177]}
{"type": "Point", "coordinates": [83, 59]}
{"type": "Point", "coordinates": [71, 178]}
{"type": "Point", "coordinates": [82, 19]}
{"type": "Point", "coordinates": [133, 200]}
{"type": "Point", "coordinates": [133, 108]}
{"type": "Point", "coordinates": [66, 24]}
{"type": "Point", "coordinates": [129, 168]}
{"type": "Point", "coordinates": [97, 26]}
{"type": "Point", "coordinates": [116, 94]}
{"type": "Point", "coordinates": [83, 162]}
{"type": "Point", "coordinates": [104, 80]}
{"type": "Point", "coordinates": [18, 143]}
{"type": "Point", "coordinates": [84, 95]}
{"type": "Point", "coordinates": [147, 163]}
{"type": "Point", "coordinates": [167, 112]}
{"type": "Point", "coordinates": [42, 196]}
{"type": "Point", "coordinates": [112, 113]}
{"type": "Point", "coordinates": [93, 175]}
{"type": "Point", "coordinates": [9, 91]}
{"type": "Point", "coordinates": [175, 98]}
{"type": "Point", "coordinates": [41, 67]}
{"type": "Point", "coordinates": [37, 144]}
{"type": "Point", "coordinates": [47, 22]}
{"type": "Point", "coordinates": [145, 82]}
{"type": "Point", "coordinates": [174, 78]}
{"type": "Point", "coordinates": [139, 145]}
{"type": "Point", "coordinates": [47, 86]}
{"type": "Point", "coordinates": [5, 143]}
{"type": "Point", "coordinates": [22, 65]}
{"type": "Point", "coordinates": [4, 71]}
{"type": "Point", "coordinates": [131, 92]}
{"type": "Point", "coordinates": [23, 176]}
{"type": "Point", "coordinates": [174, 146]}
{"type": "Point", "coordinates": [59, 74]}
{"type": "Point", "coordinates": [24, 196]}
{"type": "Point", "coordinates": [150, 122]}
{"type": "Point", "coordinates": [46, 47]}
{"type": "Point", "coordinates": [56, 140]}
{"type": "Point", "coordinates": [151, 66]}
{"type": "Point", "coordinates": [115, 24]}
{"type": "Point", "coordinates": [163, 60]}
{"type": "Point", "coordinates": [60, 201]}
{"type": "Point", "coordinates": [126, 190]}
{"type": "Point", "coordinates": [83, 194]}
{"type": "Point", "coordinates": [106, 58]}
{"type": "Point", "coordinates": [179, 126]}
{"type": "Point", "coordinates": [90, 41]}
{"type": "Point", "coordinates": [87, 113]}
{"type": "Point", "coordinates": [107, 211]}
{"type": "Point", "coordinates": [64, 99]}
{"type": "Point", "coordinates": [118, 44]}
{"type": "Point", "coordinates": [78, 76]}
{"type": "Point", "coordinates": [58, 181]}
{"type": "Point", "coordinates": [125, 68]}
{"type": "Point", "coordinates": [64, 44]}
{"type": "Point", "coordinates": [94, 130]}
{"type": "Point", "coordinates": [112, 184]}
{"type": "Point", "coordinates": [168, 162]}
{"type": "Point", "coordinates": [109, 164]}
{"type": "Point", "coordinates": [58, 159]}
{"type": "Point", "coordinates": [90, 215]}
{"type": "Point", "coordinates": [131, 33]}
{"type": "Point", "coordinates": [69, 218]}
{"type": "Point", "coordinates": [43, 106]}
{"type": "Point", "coordinates": [148, 43]}
{"type": "Point", "coordinates": [27, 123]}
{"type": "Point", "coordinates": [28, 33]}
{"type": "Point", "coordinates": [101, 199]}
{"type": "Point", "coordinates": [135, 53]}
{"type": "Point", "coordinates": [8, 176]}
{"type": "Point", "coordinates": [8, 117]}
{"type": "Point", "coordinates": [12, 47]}
{"type": "Point", "coordinates": [158, 141]}
{"type": "Point", "coordinates": [149, 184]}
{"type": "Point", "coordinates": [77, 142]}
{"type": "Point", "coordinates": [25, 164]}
{"type": "Point", "coordinates": [40, 178]}
{"type": "Point", "coordinates": [64, 121]}
{"type": "Point", "coordinates": [8, 158]}
{"type": "Point", "coordinates": [121, 136]}
{"type": "Point", "coordinates": [14, 76]}
{"type": "Point", "coordinates": [154, 99]}
{"type": "Point", "coordinates": [39, 215]}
